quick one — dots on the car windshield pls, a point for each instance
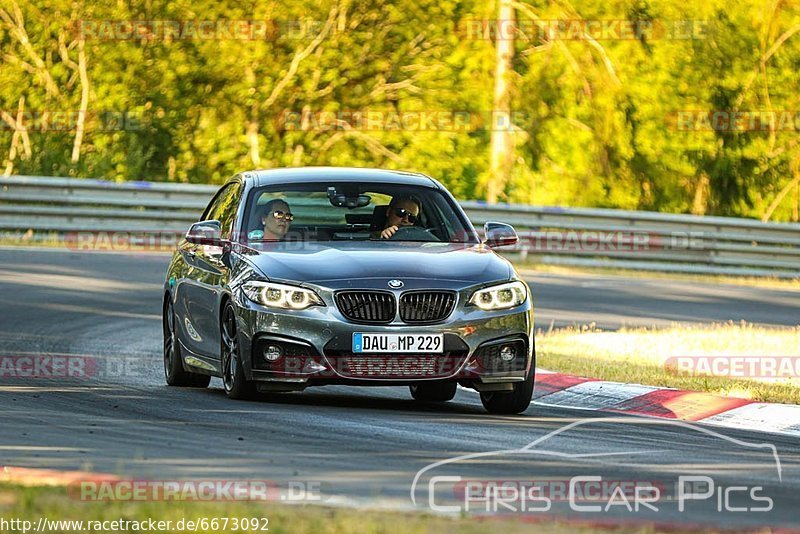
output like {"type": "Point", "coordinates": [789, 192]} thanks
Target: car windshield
{"type": "Point", "coordinates": [353, 211]}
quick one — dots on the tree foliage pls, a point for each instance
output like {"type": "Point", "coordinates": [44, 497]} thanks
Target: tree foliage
{"type": "Point", "coordinates": [594, 124]}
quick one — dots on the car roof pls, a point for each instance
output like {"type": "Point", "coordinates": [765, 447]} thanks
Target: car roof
{"type": "Point", "coordinates": [336, 174]}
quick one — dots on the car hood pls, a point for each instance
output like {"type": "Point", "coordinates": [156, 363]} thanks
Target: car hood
{"type": "Point", "coordinates": [336, 264]}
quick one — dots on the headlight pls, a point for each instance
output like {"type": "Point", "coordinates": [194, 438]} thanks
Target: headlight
{"type": "Point", "coordinates": [281, 295]}
{"type": "Point", "coordinates": [500, 297]}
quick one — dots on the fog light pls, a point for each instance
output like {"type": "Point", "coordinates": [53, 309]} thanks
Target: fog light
{"type": "Point", "coordinates": [272, 353]}
{"type": "Point", "coordinates": [507, 353]}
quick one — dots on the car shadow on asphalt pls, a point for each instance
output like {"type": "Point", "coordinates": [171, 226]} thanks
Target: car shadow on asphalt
{"type": "Point", "coordinates": [341, 398]}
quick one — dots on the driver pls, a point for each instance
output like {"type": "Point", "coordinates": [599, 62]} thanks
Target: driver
{"type": "Point", "coordinates": [276, 218]}
{"type": "Point", "coordinates": [402, 211]}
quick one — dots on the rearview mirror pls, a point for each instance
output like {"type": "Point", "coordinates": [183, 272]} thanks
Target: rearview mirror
{"type": "Point", "coordinates": [205, 233]}
{"type": "Point", "coordinates": [499, 234]}
{"type": "Point", "coordinates": [347, 199]}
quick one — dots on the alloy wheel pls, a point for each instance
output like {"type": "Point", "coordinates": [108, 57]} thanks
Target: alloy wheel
{"type": "Point", "coordinates": [230, 349]}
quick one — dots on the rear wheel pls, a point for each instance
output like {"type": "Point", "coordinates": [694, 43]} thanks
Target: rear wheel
{"type": "Point", "coordinates": [233, 380]}
{"type": "Point", "coordinates": [510, 402]}
{"type": "Point", "coordinates": [433, 391]}
{"type": "Point", "coordinates": [174, 372]}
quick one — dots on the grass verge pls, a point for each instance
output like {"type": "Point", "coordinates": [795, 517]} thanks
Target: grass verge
{"type": "Point", "coordinates": [647, 356]}
{"type": "Point", "coordinates": [532, 269]}
{"type": "Point", "coordinates": [52, 503]}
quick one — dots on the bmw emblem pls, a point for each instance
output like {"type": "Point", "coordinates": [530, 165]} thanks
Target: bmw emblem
{"type": "Point", "coordinates": [396, 284]}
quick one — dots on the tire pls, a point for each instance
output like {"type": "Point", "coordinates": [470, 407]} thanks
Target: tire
{"type": "Point", "coordinates": [234, 382]}
{"type": "Point", "coordinates": [174, 372]}
{"type": "Point", "coordinates": [511, 402]}
{"type": "Point", "coordinates": [433, 391]}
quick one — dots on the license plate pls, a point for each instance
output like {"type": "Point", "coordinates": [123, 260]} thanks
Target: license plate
{"type": "Point", "coordinates": [398, 343]}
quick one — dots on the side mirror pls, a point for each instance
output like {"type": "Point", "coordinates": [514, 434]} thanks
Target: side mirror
{"type": "Point", "coordinates": [205, 233]}
{"type": "Point", "coordinates": [499, 234]}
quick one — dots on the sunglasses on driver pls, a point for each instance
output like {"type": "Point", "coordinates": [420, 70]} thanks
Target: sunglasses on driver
{"type": "Point", "coordinates": [405, 214]}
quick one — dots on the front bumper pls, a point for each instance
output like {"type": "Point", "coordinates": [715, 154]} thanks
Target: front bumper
{"type": "Point", "coordinates": [316, 347]}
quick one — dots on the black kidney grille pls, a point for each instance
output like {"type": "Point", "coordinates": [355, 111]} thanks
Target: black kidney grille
{"type": "Point", "coordinates": [366, 306]}
{"type": "Point", "coordinates": [426, 306]}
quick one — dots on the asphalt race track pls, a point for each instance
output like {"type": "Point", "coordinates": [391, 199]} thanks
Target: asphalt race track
{"type": "Point", "coordinates": [362, 446]}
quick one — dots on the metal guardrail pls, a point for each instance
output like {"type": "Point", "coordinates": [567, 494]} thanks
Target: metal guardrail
{"type": "Point", "coordinates": [33, 206]}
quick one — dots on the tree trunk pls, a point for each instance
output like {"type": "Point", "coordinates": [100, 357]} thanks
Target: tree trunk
{"type": "Point", "coordinates": [20, 136]}
{"type": "Point", "coordinates": [252, 140]}
{"type": "Point", "coordinates": [700, 195]}
{"type": "Point", "coordinates": [81, 125]}
{"type": "Point", "coordinates": [502, 146]}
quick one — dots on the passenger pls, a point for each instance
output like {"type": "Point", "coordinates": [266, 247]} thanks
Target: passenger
{"type": "Point", "coordinates": [402, 211]}
{"type": "Point", "coordinates": [276, 220]}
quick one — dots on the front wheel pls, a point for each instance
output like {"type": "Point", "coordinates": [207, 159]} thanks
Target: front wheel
{"type": "Point", "coordinates": [511, 402]}
{"type": "Point", "coordinates": [433, 391]}
{"type": "Point", "coordinates": [234, 382]}
{"type": "Point", "coordinates": [174, 372]}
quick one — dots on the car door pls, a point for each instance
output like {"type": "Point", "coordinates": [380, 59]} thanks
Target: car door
{"type": "Point", "coordinates": [200, 293]}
